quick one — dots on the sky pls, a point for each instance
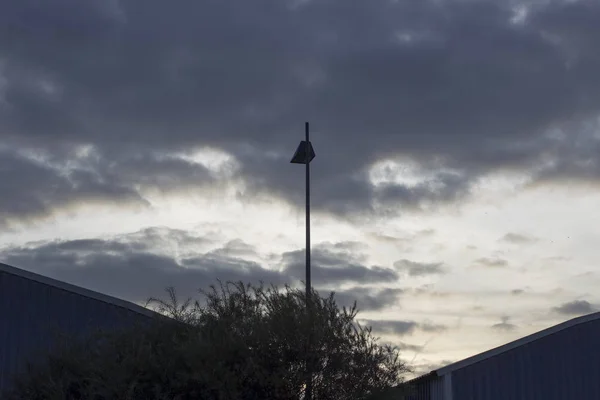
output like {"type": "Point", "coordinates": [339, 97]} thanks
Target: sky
{"type": "Point", "coordinates": [455, 189]}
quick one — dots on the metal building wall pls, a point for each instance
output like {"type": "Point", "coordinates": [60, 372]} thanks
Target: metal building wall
{"type": "Point", "coordinates": [561, 366]}
{"type": "Point", "coordinates": [437, 389]}
{"type": "Point", "coordinates": [418, 389]}
{"type": "Point", "coordinates": [427, 387]}
{"type": "Point", "coordinates": [31, 312]}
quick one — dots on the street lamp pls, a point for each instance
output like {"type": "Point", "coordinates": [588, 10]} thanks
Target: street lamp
{"type": "Point", "coordinates": [304, 155]}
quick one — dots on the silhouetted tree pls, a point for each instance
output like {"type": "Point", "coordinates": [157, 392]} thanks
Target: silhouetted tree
{"type": "Point", "coordinates": [239, 342]}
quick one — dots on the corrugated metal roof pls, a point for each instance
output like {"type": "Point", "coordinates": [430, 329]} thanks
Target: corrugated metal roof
{"type": "Point", "coordinates": [76, 289]}
{"type": "Point", "coordinates": [419, 388]}
{"type": "Point", "coordinates": [427, 387]}
{"type": "Point", "coordinates": [517, 343]}
{"type": "Point", "coordinates": [34, 308]}
{"type": "Point", "coordinates": [557, 363]}
{"type": "Point", "coordinates": [562, 365]}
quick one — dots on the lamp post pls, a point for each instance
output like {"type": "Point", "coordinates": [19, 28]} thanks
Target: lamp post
{"type": "Point", "coordinates": [304, 155]}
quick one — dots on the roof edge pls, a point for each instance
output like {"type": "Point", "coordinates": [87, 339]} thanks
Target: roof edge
{"type": "Point", "coordinates": [517, 343]}
{"type": "Point", "coordinates": [77, 290]}
{"type": "Point", "coordinates": [420, 378]}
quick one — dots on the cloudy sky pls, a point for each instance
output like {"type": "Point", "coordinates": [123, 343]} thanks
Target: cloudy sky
{"type": "Point", "coordinates": [145, 144]}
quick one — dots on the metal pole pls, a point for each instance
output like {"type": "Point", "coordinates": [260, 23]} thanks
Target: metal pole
{"type": "Point", "coordinates": [308, 277]}
{"type": "Point", "coordinates": [309, 366]}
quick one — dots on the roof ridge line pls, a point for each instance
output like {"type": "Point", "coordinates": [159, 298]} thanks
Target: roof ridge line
{"type": "Point", "coordinates": [517, 343]}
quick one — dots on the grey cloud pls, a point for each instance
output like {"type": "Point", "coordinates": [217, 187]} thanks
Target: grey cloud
{"type": "Point", "coordinates": [404, 240]}
{"type": "Point", "coordinates": [333, 266]}
{"type": "Point", "coordinates": [517, 292]}
{"type": "Point", "coordinates": [504, 326]}
{"type": "Point", "coordinates": [576, 307]}
{"type": "Point", "coordinates": [425, 233]}
{"type": "Point", "coordinates": [236, 248]}
{"type": "Point", "coordinates": [380, 79]}
{"type": "Point", "coordinates": [400, 328]}
{"type": "Point", "coordinates": [139, 265]}
{"type": "Point", "coordinates": [429, 290]}
{"type": "Point", "coordinates": [444, 188]}
{"type": "Point", "coordinates": [155, 237]}
{"type": "Point", "coordinates": [432, 328]}
{"type": "Point", "coordinates": [234, 269]}
{"type": "Point", "coordinates": [34, 184]}
{"type": "Point", "coordinates": [163, 171]}
{"type": "Point", "coordinates": [388, 239]}
{"type": "Point", "coordinates": [368, 299]}
{"type": "Point", "coordinates": [351, 246]}
{"type": "Point", "coordinates": [491, 262]}
{"type": "Point", "coordinates": [516, 238]}
{"type": "Point", "coordinates": [32, 188]}
{"type": "Point", "coordinates": [419, 269]}
{"type": "Point", "coordinates": [128, 268]}
{"type": "Point", "coordinates": [410, 347]}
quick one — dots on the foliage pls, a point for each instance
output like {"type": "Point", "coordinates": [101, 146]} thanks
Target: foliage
{"type": "Point", "coordinates": [241, 342]}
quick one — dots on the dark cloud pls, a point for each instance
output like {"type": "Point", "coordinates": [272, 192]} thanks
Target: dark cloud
{"type": "Point", "coordinates": [442, 188]}
{"type": "Point", "coordinates": [36, 183]}
{"type": "Point", "coordinates": [504, 326]}
{"type": "Point", "coordinates": [491, 262]}
{"type": "Point", "coordinates": [400, 328]}
{"type": "Point", "coordinates": [367, 299]}
{"type": "Point", "coordinates": [576, 307]}
{"type": "Point", "coordinates": [516, 238]}
{"type": "Point", "coordinates": [32, 188]}
{"type": "Point", "coordinates": [456, 88]}
{"type": "Point", "coordinates": [517, 292]}
{"type": "Point", "coordinates": [132, 268]}
{"type": "Point", "coordinates": [330, 265]}
{"type": "Point", "coordinates": [419, 269]}
{"type": "Point", "coordinates": [139, 265]}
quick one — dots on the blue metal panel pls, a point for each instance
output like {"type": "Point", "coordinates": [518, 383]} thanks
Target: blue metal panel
{"type": "Point", "coordinates": [427, 387]}
{"type": "Point", "coordinates": [437, 388]}
{"type": "Point", "coordinates": [32, 313]}
{"type": "Point", "coordinates": [560, 366]}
